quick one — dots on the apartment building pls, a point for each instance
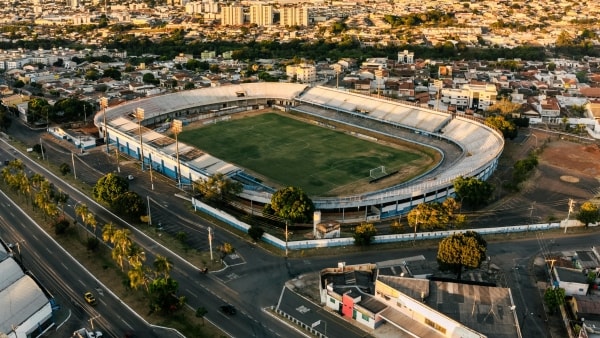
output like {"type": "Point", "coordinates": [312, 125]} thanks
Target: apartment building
{"type": "Point", "coordinates": [293, 16]}
{"type": "Point", "coordinates": [474, 96]}
{"type": "Point", "coordinates": [304, 73]}
{"type": "Point", "coordinates": [261, 15]}
{"type": "Point", "coordinates": [232, 16]}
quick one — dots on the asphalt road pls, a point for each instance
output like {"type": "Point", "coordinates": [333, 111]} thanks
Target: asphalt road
{"type": "Point", "coordinates": [65, 278]}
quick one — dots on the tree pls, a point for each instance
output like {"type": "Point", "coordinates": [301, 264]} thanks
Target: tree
{"type": "Point", "coordinates": [130, 204]}
{"type": "Point", "coordinates": [109, 187]}
{"type": "Point", "coordinates": [588, 213]}
{"type": "Point", "coordinates": [364, 233]}
{"type": "Point", "coordinates": [473, 191]}
{"type": "Point", "coordinates": [554, 298]}
{"type": "Point", "coordinates": [292, 204]}
{"type": "Point", "coordinates": [506, 127]}
{"type": "Point", "coordinates": [217, 186]}
{"type": "Point", "coordinates": [149, 78]}
{"type": "Point", "coordinates": [201, 312]}
{"type": "Point", "coordinates": [64, 169]}
{"type": "Point", "coordinates": [504, 108]}
{"type": "Point", "coordinates": [163, 295]}
{"type": "Point", "coordinates": [255, 232]}
{"type": "Point", "coordinates": [461, 250]}
{"type": "Point", "coordinates": [162, 266]}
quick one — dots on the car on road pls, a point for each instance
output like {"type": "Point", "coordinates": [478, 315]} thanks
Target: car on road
{"type": "Point", "coordinates": [84, 333]}
{"type": "Point", "coordinates": [228, 309]}
{"type": "Point", "coordinates": [89, 298]}
{"type": "Point", "coordinates": [130, 177]}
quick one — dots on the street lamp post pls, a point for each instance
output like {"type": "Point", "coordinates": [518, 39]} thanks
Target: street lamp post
{"type": "Point", "coordinates": [42, 149]}
{"type": "Point", "coordinates": [104, 105]}
{"type": "Point", "coordinates": [177, 127]}
{"type": "Point", "coordinates": [73, 161]}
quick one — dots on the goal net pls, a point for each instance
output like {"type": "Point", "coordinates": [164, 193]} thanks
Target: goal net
{"type": "Point", "coordinates": [377, 172]}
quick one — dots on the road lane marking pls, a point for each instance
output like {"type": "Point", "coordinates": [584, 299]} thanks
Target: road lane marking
{"type": "Point", "coordinates": [82, 283]}
{"type": "Point", "coordinates": [193, 294]}
{"type": "Point", "coordinates": [126, 323]}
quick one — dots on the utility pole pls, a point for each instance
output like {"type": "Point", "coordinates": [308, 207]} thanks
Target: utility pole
{"type": "Point", "coordinates": [571, 207]}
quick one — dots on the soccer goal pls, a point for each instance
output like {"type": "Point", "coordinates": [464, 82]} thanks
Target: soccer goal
{"type": "Point", "coordinates": [377, 172]}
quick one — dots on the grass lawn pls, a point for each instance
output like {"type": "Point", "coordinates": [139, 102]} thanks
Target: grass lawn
{"type": "Point", "coordinates": [286, 152]}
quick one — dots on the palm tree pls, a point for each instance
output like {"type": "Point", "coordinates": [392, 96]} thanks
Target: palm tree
{"type": "Point", "coordinates": [162, 265]}
{"type": "Point", "coordinates": [82, 211]}
{"type": "Point", "coordinates": [90, 220]}
{"type": "Point", "coordinates": [137, 277]}
{"type": "Point", "coordinates": [108, 231]}
{"type": "Point", "coordinates": [136, 256]}
{"type": "Point", "coordinates": [122, 243]}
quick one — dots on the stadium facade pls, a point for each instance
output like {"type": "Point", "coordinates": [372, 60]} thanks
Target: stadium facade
{"type": "Point", "coordinates": [468, 148]}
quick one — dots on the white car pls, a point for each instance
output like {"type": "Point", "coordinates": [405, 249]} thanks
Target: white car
{"type": "Point", "coordinates": [130, 177]}
{"type": "Point", "coordinates": [84, 333]}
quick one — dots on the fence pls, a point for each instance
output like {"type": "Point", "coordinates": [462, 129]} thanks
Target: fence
{"type": "Point", "coordinates": [334, 242]}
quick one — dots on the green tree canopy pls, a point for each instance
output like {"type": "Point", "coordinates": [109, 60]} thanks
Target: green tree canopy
{"type": "Point", "coordinates": [554, 298]}
{"type": "Point", "coordinates": [505, 126]}
{"type": "Point", "coordinates": [217, 186]}
{"type": "Point", "coordinates": [109, 187]}
{"type": "Point", "coordinates": [292, 204]}
{"type": "Point", "coordinates": [504, 107]}
{"type": "Point", "coordinates": [588, 213]}
{"type": "Point", "coordinates": [255, 232]}
{"type": "Point", "coordinates": [473, 191]}
{"type": "Point", "coordinates": [130, 204]}
{"type": "Point", "coordinates": [364, 233]}
{"type": "Point", "coordinates": [460, 250]}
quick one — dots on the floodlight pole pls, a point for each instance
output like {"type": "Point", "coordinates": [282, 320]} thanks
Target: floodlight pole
{"type": "Point", "coordinates": [139, 115]}
{"type": "Point", "coordinates": [177, 127]}
{"type": "Point", "coordinates": [104, 105]}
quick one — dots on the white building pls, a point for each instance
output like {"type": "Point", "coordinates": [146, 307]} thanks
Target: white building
{"type": "Point", "coordinates": [406, 57]}
{"type": "Point", "coordinates": [293, 16]}
{"type": "Point", "coordinates": [232, 16]}
{"type": "Point", "coordinates": [474, 96]}
{"type": "Point", "coordinates": [303, 72]}
{"type": "Point", "coordinates": [261, 15]}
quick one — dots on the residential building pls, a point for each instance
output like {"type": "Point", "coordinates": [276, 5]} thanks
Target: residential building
{"type": "Point", "coordinates": [261, 15]}
{"type": "Point", "coordinates": [293, 16]}
{"type": "Point", "coordinates": [232, 15]}
{"type": "Point", "coordinates": [304, 73]}
{"type": "Point", "coordinates": [474, 96]}
{"type": "Point", "coordinates": [406, 57]}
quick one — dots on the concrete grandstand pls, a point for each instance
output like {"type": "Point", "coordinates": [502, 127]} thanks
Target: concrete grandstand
{"type": "Point", "coordinates": [468, 147]}
{"type": "Point", "coordinates": [25, 308]}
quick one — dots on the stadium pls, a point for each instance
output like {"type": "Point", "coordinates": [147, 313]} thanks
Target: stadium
{"type": "Point", "coordinates": [465, 146]}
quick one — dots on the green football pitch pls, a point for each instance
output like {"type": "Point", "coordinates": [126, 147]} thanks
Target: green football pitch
{"type": "Point", "coordinates": [287, 152]}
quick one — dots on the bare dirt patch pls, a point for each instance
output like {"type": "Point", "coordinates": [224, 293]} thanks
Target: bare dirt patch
{"type": "Point", "coordinates": [575, 157]}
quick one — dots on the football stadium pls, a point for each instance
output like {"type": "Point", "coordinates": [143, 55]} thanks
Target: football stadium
{"type": "Point", "coordinates": [351, 153]}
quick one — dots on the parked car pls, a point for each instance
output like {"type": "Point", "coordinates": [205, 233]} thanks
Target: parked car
{"type": "Point", "coordinates": [89, 298]}
{"type": "Point", "coordinates": [130, 177]}
{"type": "Point", "coordinates": [84, 333]}
{"type": "Point", "coordinates": [228, 309]}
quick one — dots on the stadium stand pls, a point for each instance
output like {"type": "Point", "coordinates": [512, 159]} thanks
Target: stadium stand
{"type": "Point", "coordinates": [468, 147]}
